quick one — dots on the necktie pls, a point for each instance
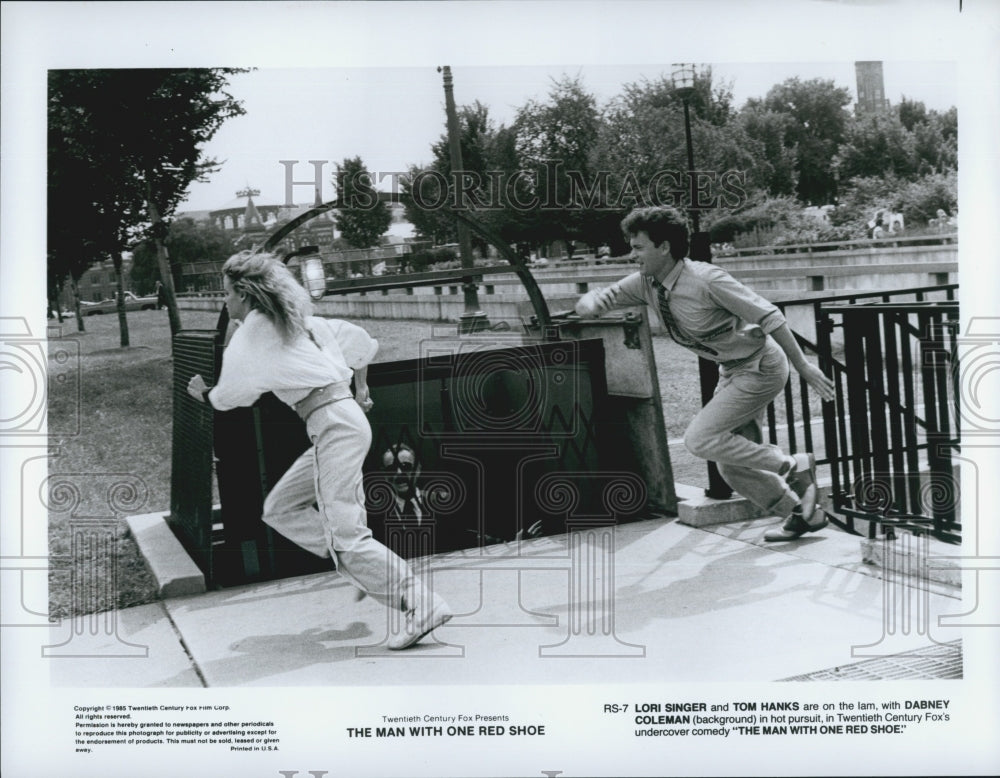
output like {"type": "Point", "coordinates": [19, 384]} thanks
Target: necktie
{"type": "Point", "coordinates": [665, 315]}
{"type": "Point", "coordinates": [671, 325]}
{"type": "Point", "coordinates": [411, 510]}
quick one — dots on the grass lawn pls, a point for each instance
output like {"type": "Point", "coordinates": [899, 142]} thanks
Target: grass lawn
{"type": "Point", "coordinates": [125, 429]}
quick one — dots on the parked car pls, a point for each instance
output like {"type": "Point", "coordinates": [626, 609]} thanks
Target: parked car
{"type": "Point", "coordinates": [132, 303]}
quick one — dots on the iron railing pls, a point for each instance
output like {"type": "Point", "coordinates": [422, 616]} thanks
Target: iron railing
{"type": "Point", "coordinates": [818, 247]}
{"type": "Point", "coordinates": [894, 404]}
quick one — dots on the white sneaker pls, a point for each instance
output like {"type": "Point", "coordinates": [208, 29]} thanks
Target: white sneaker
{"type": "Point", "coordinates": [428, 614]}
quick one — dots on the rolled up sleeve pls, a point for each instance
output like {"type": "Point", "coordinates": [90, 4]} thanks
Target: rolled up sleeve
{"type": "Point", "coordinates": [357, 346]}
{"type": "Point", "coordinates": [728, 293]}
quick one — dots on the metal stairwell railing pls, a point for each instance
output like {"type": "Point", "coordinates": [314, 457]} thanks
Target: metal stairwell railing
{"type": "Point", "coordinates": [891, 408]}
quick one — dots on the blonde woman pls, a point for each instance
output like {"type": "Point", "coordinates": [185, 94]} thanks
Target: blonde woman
{"type": "Point", "coordinates": [308, 362]}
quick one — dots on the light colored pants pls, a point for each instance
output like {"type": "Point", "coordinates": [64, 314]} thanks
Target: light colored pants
{"type": "Point", "coordinates": [329, 474]}
{"type": "Point", "coordinates": [729, 431]}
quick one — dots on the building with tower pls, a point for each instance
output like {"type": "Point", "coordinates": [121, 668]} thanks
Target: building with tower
{"type": "Point", "coordinates": [244, 215]}
{"type": "Point", "coordinates": [250, 223]}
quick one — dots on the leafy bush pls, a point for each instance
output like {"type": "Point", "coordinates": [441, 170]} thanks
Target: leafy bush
{"type": "Point", "coordinates": [768, 221]}
{"type": "Point", "coordinates": [454, 264]}
{"type": "Point", "coordinates": [917, 200]}
{"type": "Point", "coordinates": [920, 200]}
{"type": "Point", "coordinates": [859, 200]}
{"type": "Point", "coordinates": [423, 260]}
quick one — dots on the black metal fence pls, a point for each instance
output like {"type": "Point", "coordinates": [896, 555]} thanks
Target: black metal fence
{"type": "Point", "coordinates": [886, 441]}
{"type": "Point", "coordinates": [195, 351]}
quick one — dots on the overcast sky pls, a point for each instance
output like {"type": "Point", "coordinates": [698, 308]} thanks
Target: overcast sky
{"type": "Point", "coordinates": [390, 116]}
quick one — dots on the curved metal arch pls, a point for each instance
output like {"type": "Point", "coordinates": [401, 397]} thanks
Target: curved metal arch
{"type": "Point", "coordinates": [279, 234]}
{"type": "Point", "coordinates": [523, 273]}
{"type": "Point", "coordinates": [486, 233]}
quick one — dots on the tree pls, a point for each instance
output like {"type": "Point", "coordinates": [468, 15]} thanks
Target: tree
{"type": "Point", "coordinates": [487, 150]}
{"type": "Point", "coordinates": [876, 144]}
{"type": "Point", "coordinates": [187, 241]}
{"type": "Point", "coordinates": [817, 109]}
{"type": "Point", "coordinates": [123, 147]}
{"type": "Point", "coordinates": [87, 211]}
{"type": "Point", "coordinates": [425, 199]}
{"type": "Point", "coordinates": [911, 113]}
{"type": "Point", "coordinates": [920, 200]}
{"type": "Point", "coordinates": [642, 145]}
{"type": "Point", "coordinates": [362, 217]}
{"type": "Point", "coordinates": [929, 138]}
{"type": "Point", "coordinates": [778, 166]}
{"type": "Point", "coordinates": [554, 141]}
{"type": "Point", "coordinates": [936, 142]}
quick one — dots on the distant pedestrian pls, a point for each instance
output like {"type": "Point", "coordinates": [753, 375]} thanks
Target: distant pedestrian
{"type": "Point", "coordinates": [161, 296]}
{"type": "Point", "coordinates": [704, 309]}
{"type": "Point", "coordinates": [307, 363]}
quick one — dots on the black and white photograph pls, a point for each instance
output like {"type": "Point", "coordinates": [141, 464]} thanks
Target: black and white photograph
{"type": "Point", "coordinates": [499, 388]}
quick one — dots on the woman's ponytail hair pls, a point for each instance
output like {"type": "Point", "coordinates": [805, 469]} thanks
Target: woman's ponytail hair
{"type": "Point", "coordinates": [271, 289]}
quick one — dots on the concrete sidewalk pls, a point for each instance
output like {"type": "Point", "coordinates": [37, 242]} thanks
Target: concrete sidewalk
{"type": "Point", "coordinates": [647, 601]}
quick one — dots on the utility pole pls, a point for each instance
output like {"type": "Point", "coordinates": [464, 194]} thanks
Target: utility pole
{"type": "Point", "coordinates": [473, 319]}
{"type": "Point", "coordinates": [699, 250]}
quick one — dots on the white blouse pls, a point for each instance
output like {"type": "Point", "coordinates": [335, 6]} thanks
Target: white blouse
{"type": "Point", "coordinates": [258, 361]}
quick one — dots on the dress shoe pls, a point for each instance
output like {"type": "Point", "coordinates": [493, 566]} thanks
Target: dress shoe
{"type": "Point", "coordinates": [426, 613]}
{"type": "Point", "coordinates": [802, 481]}
{"type": "Point", "coordinates": [796, 526]}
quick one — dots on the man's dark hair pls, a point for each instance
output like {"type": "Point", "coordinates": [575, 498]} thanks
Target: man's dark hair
{"type": "Point", "coordinates": [661, 223]}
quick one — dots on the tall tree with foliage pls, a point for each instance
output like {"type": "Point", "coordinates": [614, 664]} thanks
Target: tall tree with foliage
{"type": "Point", "coordinates": [818, 112]}
{"type": "Point", "coordinates": [876, 144]}
{"type": "Point", "coordinates": [187, 242]}
{"type": "Point", "coordinates": [362, 216]}
{"type": "Point", "coordinates": [89, 213]}
{"type": "Point", "coordinates": [936, 141]}
{"type": "Point", "coordinates": [642, 145]}
{"type": "Point", "coordinates": [488, 159]}
{"type": "Point", "coordinates": [424, 193]}
{"type": "Point", "coordinates": [123, 147]}
{"type": "Point", "coordinates": [777, 163]}
{"type": "Point", "coordinates": [554, 141]}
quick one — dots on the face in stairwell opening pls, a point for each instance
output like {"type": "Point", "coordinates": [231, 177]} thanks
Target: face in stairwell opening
{"type": "Point", "coordinates": [400, 462]}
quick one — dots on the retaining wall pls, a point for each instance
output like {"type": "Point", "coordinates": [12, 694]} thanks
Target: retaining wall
{"type": "Point", "coordinates": [780, 277]}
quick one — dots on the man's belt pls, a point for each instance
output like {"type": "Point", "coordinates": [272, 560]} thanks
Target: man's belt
{"type": "Point", "coordinates": [320, 396]}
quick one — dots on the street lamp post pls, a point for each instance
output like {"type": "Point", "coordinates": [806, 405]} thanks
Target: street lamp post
{"type": "Point", "coordinates": [473, 319]}
{"type": "Point", "coordinates": [683, 77]}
